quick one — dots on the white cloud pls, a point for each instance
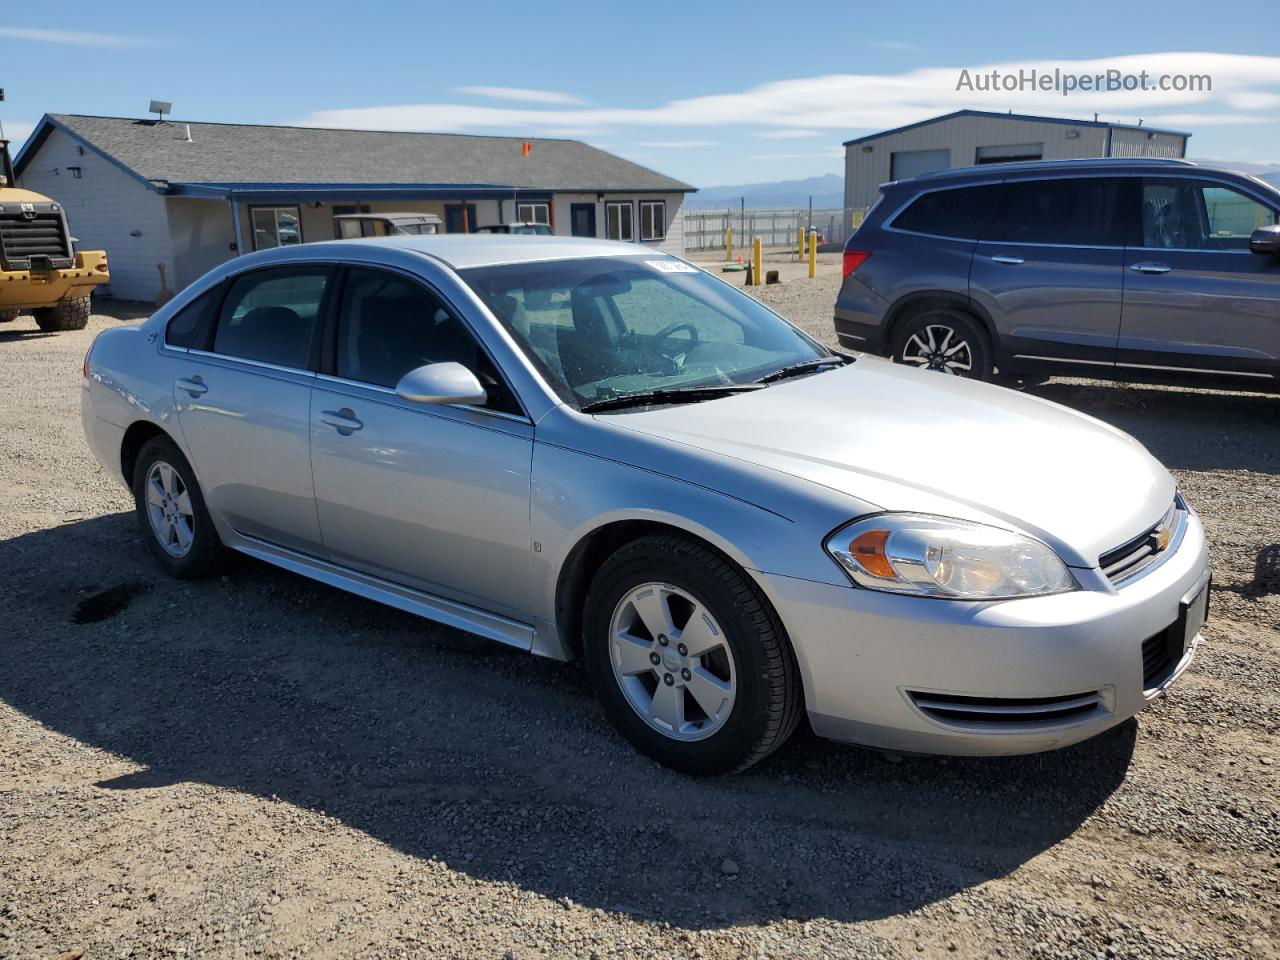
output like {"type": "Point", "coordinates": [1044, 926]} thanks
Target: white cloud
{"type": "Point", "coordinates": [676, 144]}
{"type": "Point", "coordinates": [787, 134]}
{"type": "Point", "coordinates": [862, 102]}
{"type": "Point", "coordinates": [16, 132]}
{"type": "Point", "coordinates": [73, 38]}
{"type": "Point", "coordinates": [522, 94]}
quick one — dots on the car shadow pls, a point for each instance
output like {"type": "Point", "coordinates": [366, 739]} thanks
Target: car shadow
{"type": "Point", "coordinates": [446, 746]}
{"type": "Point", "coordinates": [1183, 429]}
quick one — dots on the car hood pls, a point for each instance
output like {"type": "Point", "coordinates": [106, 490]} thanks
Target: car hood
{"type": "Point", "coordinates": [912, 440]}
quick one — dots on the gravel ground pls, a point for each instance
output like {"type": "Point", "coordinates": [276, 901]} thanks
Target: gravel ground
{"type": "Point", "coordinates": [260, 766]}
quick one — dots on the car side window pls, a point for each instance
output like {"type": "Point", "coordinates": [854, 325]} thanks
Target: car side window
{"type": "Point", "coordinates": [272, 315]}
{"type": "Point", "coordinates": [389, 325]}
{"type": "Point", "coordinates": [184, 325]}
{"type": "Point", "coordinates": [1085, 211]}
{"type": "Point", "coordinates": [1182, 214]}
{"type": "Point", "coordinates": [960, 213]}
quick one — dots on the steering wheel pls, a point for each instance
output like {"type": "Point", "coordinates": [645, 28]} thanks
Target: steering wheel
{"type": "Point", "coordinates": [666, 332]}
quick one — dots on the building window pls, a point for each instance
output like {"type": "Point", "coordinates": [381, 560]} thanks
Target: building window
{"type": "Point", "coordinates": [653, 219]}
{"type": "Point", "coordinates": [1010, 153]}
{"type": "Point", "coordinates": [617, 218]}
{"type": "Point", "coordinates": [539, 212]}
{"type": "Point", "coordinates": [275, 227]}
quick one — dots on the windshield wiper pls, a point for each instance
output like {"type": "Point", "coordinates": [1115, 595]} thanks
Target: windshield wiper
{"type": "Point", "coordinates": [669, 395]}
{"type": "Point", "coordinates": [804, 366]}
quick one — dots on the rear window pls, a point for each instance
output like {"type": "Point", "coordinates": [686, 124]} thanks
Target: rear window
{"type": "Point", "coordinates": [959, 213]}
{"type": "Point", "coordinates": [1087, 211]}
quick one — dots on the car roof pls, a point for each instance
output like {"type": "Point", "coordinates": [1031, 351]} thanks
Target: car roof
{"type": "Point", "coordinates": [463, 250]}
{"type": "Point", "coordinates": [1036, 168]}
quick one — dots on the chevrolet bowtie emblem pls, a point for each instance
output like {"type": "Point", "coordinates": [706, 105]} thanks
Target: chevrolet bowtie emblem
{"type": "Point", "coordinates": [1163, 537]}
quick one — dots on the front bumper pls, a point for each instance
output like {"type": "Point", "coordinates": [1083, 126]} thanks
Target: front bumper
{"type": "Point", "coordinates": [33, 289]}
{"type": "Point", "coordinates": [870, 660]}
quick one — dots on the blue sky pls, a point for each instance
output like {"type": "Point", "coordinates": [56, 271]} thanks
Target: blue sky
{"type": "Point", "coordinates": [712, 93]}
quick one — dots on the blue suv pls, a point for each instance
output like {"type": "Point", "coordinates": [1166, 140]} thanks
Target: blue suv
{"type": "Point", "coordinates": [1131, 269]}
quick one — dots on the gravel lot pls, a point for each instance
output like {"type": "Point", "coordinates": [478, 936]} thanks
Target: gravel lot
{"type": "Point", "coordinates": [261, 766]}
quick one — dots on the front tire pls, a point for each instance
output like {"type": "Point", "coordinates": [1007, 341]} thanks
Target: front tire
{"type": "Point", "coordinates": [64, 315]}
{"type": "Point", "coordinates": [948, 341]}
{"type": "Point", "coordinates": [688, 657]}
{"type": "Point", "coordinates": [172, 514]}
{"type": "Point", "coordinates": [8, 316]}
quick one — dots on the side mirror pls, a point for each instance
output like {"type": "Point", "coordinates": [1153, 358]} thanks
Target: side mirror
{"type": "Point", "coordinates": [441, 383]}
{"type": "Point", "coordinates": [1266, 240]}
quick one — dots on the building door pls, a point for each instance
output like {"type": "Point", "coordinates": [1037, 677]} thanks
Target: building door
{"type": "Point", "coordinates": [453, 218]}
{"type": "Point", "coordinates": [582, 219]}
{"type": "Point", "coordinates": [906, 164]}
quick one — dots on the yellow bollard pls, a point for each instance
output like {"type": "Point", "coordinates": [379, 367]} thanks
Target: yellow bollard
{"type": "Point", "coordinates": [728, 244]}
{"type": "Point", "coordinates": [757, 260]}
{"type": "Point", "coordinates": [799, 241]}
{"type": "Point", "coordinates": [813, 253]}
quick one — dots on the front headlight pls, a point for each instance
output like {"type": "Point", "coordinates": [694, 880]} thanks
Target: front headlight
{"type": "Point", "coordinates": [939, 557]}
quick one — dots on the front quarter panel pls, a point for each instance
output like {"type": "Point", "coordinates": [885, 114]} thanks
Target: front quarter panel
{"type": "Point", "coordinates": [588, 474]}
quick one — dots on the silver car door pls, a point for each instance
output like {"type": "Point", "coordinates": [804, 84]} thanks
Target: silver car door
{"type": "Point", "coordinates": [243, 399]}
{"type": "Point", "coordinates": [435, 497]}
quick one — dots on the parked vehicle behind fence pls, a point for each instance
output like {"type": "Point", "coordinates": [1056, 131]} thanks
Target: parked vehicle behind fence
{"type": "Point", "coordinates": [1135, 269]}
{"type": "Point", "coordinates": [588, 449]}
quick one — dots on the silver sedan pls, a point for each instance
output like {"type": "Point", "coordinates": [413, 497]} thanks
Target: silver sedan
{"type": "Point", "coordinates": [591, 449]}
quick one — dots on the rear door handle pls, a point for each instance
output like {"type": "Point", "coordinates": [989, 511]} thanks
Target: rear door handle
{"type": "Point", "coordinates": [193, 385]}
{"type": "Point", "coordinates": [1150, 267]}
{"type": "Point", "coordinates": [344, 420]}
{"type": "Point", "coordinates": [1012, 261]}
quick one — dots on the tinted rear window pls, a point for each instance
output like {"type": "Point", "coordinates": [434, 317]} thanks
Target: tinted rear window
{"type": "Point", "coordinates": [1085, 211]}
{"type": "Point", "coordinates": [958, 213]}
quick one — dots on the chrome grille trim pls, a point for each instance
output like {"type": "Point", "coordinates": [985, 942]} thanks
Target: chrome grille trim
{"type": "Point", "coordinates": [1144, 552]}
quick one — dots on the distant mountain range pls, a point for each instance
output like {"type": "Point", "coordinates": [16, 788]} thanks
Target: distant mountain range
{"type": "Point", "coordinates": [827, 192]}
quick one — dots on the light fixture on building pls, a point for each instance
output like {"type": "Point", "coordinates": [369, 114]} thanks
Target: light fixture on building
{"type": "Point", "coordinates": [1073, 134]}
{"type": "Point", "coordinates": [868, 148]}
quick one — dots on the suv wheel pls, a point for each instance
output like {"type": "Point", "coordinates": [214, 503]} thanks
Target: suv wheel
{"type": "Point", "coordinates": [172, 514]}
{"type": "Point", "coordinates": [948, 341]}
{"type": "Point", "coordinates": [688, 658]}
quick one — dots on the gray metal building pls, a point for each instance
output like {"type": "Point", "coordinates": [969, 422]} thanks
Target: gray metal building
{"type": "Point", "coordinates": [970, 137]}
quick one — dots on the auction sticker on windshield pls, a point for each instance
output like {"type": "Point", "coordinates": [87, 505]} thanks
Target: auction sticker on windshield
{"type": "Point", "coordinates": [672, 266]}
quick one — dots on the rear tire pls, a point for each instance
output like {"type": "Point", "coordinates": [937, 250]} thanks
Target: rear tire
{"type": "Point", "coordinates": [946, 340]}
{"type": "Point", "coordinates": [171, 512]}
{"type": "Point", "coordinates": [7, 316]}
{"type": "Point", "coordinates": [64, 315]}
{"type": "Point", "coordinates": [747, 679]}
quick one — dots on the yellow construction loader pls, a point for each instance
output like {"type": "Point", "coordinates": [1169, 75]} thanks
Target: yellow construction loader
{"type": "Point", "coordinates": [41, 272]}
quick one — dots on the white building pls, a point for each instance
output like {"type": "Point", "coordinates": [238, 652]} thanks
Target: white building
{"type": "Point", "coordinates": [971, 137]}
{"type": "Point", "coordinates": [169, 200]}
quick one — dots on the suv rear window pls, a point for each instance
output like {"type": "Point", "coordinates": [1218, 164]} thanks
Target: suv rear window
{"type": "Point", "coordinates": [959, 213]}
{"type": "Point", "coordinates": [1086, 211]}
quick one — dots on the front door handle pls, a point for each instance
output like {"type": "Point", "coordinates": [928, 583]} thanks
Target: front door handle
{"type": "Point", "coordinates": [193, 385]}
{"type": "Point", "coordinates": [1012, 261]}
{"type": "Point", "coordinates": [1150, 267]}
{"type": "Point", "coordinates": [344, 420]}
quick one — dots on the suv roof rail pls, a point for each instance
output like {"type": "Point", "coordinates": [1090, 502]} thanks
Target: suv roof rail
{"type": "Point", "coordinates": [1051, 164]}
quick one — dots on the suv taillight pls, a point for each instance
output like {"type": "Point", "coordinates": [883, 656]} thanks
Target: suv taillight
{"type": "Point", "coordinates": [853, 259]}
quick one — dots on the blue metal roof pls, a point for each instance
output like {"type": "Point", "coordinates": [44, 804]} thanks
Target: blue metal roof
{"type": "Point", "coordinates": [1013, 116]}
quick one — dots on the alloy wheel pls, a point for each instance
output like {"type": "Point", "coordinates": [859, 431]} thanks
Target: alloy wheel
{"type": "Point", "coordinates": [169, 509]}
{"type": "Point", "coordinates": [939, 347]}
{"type": "Point", "coordinates": [672, 661]}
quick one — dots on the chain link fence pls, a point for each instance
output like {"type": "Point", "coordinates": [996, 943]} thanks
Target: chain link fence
{"type": "Point", "coordinates": [776, 227]}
